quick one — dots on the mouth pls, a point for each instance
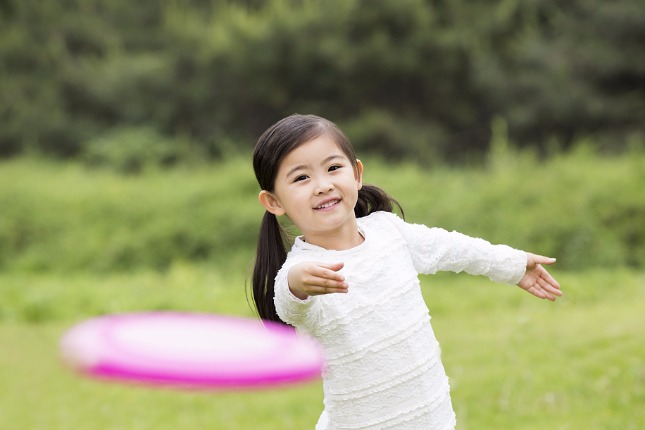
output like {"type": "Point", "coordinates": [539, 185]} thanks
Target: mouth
{"type": "Point", "coordinates": [327, 204]}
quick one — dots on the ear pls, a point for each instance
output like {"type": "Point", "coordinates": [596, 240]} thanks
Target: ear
{"type": "Point", "coordinates": [359, 174]}
{"type": "Point", "coordinates": [270, 203]}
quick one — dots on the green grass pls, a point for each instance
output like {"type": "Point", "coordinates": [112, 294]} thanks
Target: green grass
{"type": "Point", "coordinates": [76, 243]}
{"type": "Point", "coordinates": [514, 361]}
{"type": "Point", "coordinates": [55, 297]}
{"type": "Point", "coordinates": [520, 363]}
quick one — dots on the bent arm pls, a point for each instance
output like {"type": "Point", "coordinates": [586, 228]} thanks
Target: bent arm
{"type": "Point", "coordinates": [291, 309]}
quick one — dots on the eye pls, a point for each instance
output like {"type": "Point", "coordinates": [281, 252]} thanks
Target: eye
{"type": "Point", "coordinates": [300, 178]}
{"type": "Point", "coordinates": [334, 167]}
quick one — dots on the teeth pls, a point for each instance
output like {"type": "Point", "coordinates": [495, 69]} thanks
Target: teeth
{"type": "Point", "coordinates": [328, 204]}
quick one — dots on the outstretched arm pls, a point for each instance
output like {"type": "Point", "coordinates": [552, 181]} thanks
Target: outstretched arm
{"type": "Point", "coordinates": [537, 280]}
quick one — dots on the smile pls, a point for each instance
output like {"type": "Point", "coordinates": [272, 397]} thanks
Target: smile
{"type": "Point", "coordinates": [327, 204]}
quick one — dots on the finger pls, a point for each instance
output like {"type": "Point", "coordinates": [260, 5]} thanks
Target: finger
{"type": "Point", "coordinates": [549, 297]}
{"type": "Point", "coordinates": [324, 272]}
{"type": "Point", "coordinates": [550, 291]}
{"type": "Point", "coordinates": [547, 294]}
{"type": "Point", "coordinates": [544, 294]}
{"type": "Point", "coordinates": [332, 266]}
{"type": "Point", "coordinates": [326, 282]}
{"type": "Point", "coordinates": [537, 292]}
{"type": "Point", "coordinates": [332, 284]}
{"type": "Point", "coordinates": [548, 283]}
{"type": "Point", "coordinates": [546, 277]}
{"type": "Point", "coordinates": [327, 289]}
{"type": "Point", "coordinates": [541, 259]}
{"type": "Point", "coordinates": [553, 291]}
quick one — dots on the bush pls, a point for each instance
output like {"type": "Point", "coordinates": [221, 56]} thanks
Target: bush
{"type": "Point", "coordinates": [583, 208]}
{"type": "Point", "coordinates": [131, 150]}
{"type": "Point", "coordinates": [70, 218]}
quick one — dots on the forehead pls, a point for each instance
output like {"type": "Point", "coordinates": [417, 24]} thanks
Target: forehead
{"type": "Point", "coordinates": [312, 152]}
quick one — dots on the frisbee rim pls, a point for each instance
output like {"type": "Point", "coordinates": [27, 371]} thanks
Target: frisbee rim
{"type": "Point", "coordinates": [111, 360]}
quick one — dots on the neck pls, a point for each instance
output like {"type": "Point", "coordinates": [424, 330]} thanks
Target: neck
{"type": "Point", "coordinates": [346, 238]}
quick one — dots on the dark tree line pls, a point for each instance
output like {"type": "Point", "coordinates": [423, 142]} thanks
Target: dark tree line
{"type": "Point", "coordinates": [415, 79]}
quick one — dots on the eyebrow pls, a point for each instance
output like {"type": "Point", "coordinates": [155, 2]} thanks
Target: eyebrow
{"type": "Point", "coordinates": [304, 166]}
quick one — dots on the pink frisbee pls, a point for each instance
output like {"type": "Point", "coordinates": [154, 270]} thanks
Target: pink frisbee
{"type": "Point", "coordinates": [190, 351]}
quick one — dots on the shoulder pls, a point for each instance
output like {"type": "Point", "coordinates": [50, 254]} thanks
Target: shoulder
{"type": "Point", "coordinates": [383, 225]}
{"type": "Point", "coordinates": [384, 221]}
{"type": "Point", "coordinates": [409, 232]}
{"type": "Point", "coordinates": [379, 218]}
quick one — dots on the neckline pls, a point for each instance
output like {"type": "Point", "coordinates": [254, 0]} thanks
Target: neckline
{"type": "Point", "coordinates": [299, 243]}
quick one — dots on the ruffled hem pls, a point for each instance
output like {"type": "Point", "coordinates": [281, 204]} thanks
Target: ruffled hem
{"type": "Point", "coordinates": [428, 409]}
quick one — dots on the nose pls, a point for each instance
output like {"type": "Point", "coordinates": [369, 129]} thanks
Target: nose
{"type": "Point", "coordinates": [323, 186]}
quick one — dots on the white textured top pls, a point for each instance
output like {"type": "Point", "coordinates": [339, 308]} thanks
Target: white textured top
{"type": "Point", "coordinates": [383, 367]}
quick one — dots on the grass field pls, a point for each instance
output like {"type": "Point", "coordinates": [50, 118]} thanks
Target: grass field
{"type": "Point", "coordinates": [76, 243]}
{"type": "Point", "coordinates": [515, 362]}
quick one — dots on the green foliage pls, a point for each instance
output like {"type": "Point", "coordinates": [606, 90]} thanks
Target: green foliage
{"type": "Point", "coordinates": [563, 70]}
{"type": "Point", "coordinates": [67, 217]}
{"type": "Point", "coordinates": [132, 150]}
{"type": "Point", "coordinates": [410, 79]}
{"type": "Point", "coordinates": [583, 208]}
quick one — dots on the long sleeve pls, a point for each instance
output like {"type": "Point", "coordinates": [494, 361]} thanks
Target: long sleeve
{"type": "Point", "coordinates": [435, 249]}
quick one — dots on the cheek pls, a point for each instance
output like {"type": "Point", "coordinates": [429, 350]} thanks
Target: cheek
{"type": "Point", "coordinates": [292, 199]}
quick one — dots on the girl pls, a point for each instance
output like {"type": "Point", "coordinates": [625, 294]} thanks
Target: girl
{"type": "Point", "coordinates": [350, 280]}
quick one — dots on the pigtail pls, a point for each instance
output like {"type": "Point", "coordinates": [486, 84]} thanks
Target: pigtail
{"type": "Point", "coordinates": [271, 255]}
{"type": "Point", "coordinates": [373, 199]}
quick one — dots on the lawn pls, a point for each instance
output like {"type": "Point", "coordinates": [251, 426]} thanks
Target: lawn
{"type": "Point", "coordinates": [515, 362]}
{"type": "Point", "coordinates": [77, 242]}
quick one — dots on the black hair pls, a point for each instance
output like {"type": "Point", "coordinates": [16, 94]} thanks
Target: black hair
{"type": "Point", "coordinates": [271, 148]}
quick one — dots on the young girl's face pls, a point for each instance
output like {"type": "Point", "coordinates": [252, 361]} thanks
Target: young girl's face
{"type": "Point", "coordinates": [317, 188]}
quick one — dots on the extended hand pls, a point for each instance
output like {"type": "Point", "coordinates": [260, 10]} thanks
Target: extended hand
{"type": "Point", "coordinates": [312, 279]}
{"type": "Point", "coordinates": [537, 280]}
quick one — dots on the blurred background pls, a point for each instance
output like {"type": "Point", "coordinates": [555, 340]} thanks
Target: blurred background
{"type": "Point", "coordinates": [126, 184]}
{"type": "Point", "coordinates": [408, 79]}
